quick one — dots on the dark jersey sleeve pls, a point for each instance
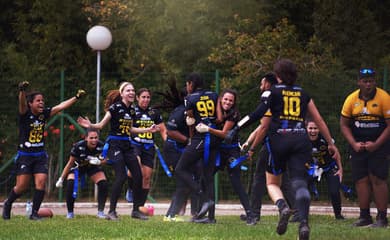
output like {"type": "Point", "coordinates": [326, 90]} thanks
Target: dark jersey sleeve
{"type": "Point", "coordinates": [259, 111]}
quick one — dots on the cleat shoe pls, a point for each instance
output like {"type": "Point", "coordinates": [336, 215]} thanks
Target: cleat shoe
{"type": "Point", "coordinates": [284, 215]}
{"type": "Point", "coordinates": [7, 210]}
{"type": "Point", "coordinates": [251, 220]}
{"type": "Point", "coordinates": [173, 219]}
{"type": "Point", "coordinates": [129, 196]}
{"type": "Point", "coordinates": [35, 217]}
{"type": "Point", "coordinates": [380, 223]}
{"type": "Point", "coordinates": [243, 217]}
{"type": "Point", "coordinates": [204, 209]}
{"type": "Point", "coordinates": [101, 215]}
{"type": "Point", "coordinates": [139, 215]}
{"type": "Point", "coordinates": [304, 231]}
{"type": "Point", "coordinates": [205, 220]}
{"type": "Point", "coordinates": [363, 222]}
{"type": "Point", "coordinates": [70, 215]}
{"type": "Point", "coordinates": [339, 217]}
{"type": "Point", "coordinates": [295, 218]}
{"type": "Point", "coordinates": [112, 216]}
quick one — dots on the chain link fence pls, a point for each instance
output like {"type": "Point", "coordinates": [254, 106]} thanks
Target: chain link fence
{"type": "Point", "coordinates": [328, 99]}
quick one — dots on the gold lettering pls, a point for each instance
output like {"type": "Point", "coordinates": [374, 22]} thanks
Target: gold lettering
{"type": "Point", "coordinates": [291, 93]}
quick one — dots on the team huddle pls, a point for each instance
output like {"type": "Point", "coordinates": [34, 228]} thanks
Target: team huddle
{"type": "Point", "coordinates": [201, 138]}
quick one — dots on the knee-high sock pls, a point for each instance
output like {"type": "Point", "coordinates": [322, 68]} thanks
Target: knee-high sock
{"type": "Point", "coordinates": [69, 195]}
{"type": "Point", "coordinates": [12, 196]}
{"type": "Point", "coordinates": [145, 192]}
{"type": "Point", "coordinates": [102, 194]}
{"type": "Point", "coordinates": [37, 199]}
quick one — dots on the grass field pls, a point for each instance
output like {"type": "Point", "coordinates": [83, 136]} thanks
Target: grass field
{"type": "Point", "coordinates": [227, 227]}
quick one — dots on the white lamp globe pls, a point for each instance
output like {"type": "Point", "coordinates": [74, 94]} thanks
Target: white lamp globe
{"type": "Point", "coordinates": [99, 38]}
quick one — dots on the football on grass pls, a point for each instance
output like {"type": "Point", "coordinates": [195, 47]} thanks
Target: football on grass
{"type": "Point", "coordinates": [45, 212]}
{"type": "Point", "coordinates": [147, 210]}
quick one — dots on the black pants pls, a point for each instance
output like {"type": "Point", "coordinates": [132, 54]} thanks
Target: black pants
{"type": "Point", "coordinates": [192, 156]}
{"type": "Point", "coordinates": [122, 155]}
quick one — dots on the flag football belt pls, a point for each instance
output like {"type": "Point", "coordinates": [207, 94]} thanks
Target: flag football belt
{"type": "Point", "coordinates": [107, 145]}
{"type": "Point", "coordinates": [146, 146]}
{"type": "Point", "coordinates": [175, 144]}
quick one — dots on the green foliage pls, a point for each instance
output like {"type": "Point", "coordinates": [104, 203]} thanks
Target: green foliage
{"type": "Point", "coordinates": [358, 30]}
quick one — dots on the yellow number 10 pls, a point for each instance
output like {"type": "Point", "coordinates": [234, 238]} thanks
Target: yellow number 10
{"type": "Point", "coordinates": [292, 106]}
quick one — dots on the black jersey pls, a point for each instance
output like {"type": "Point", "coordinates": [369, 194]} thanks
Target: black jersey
{"type": "Point", "coordinates": [203, 104]}
{"type": "Point", "coordinates": [80, 151]}
{"type": "Point", "coordinates": [288, 105]}
{"type": "Point", "coordinates": [31, 131]}
{"type": "Point", "coordinates": [176, 122]}
{"type": "Point", "coordinates": [122, 118]}
{"type": "Point", "coordinates": [145, 118]}
{"type": "Point", "coordinates": [232, 116]}
{"type": "Point", "coordinates": [320, 153]}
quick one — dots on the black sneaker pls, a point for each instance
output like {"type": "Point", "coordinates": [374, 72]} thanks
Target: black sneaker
{"type": "Point", "coordinates": [339, 217]}
{"type": "Point", "coordinates": [112, 216]}
{"type": "Point", "coordinates": [205, 220]}
{"type": "Point", "coordinates": [243, 217]}
{"type": "Point", "coordinates": [7, 210]}
{"type": "Point", "coordinates": [295, 218]}
{"type": "Point", "coordinates": [204, 209]}
{"type": "Point", "coordinates": [284, 215]}
{"type": "Point", "coordinates": [380, 223]}
{"type": "Point", "coordinates": [35, 217]}
{"type": "Point", "coordinates": [363, 222]}
{"type": "Point", "coordinates": [304, 231]}
{"type": "Point", "coordinates": [251, 220]}
{"type": "Point", "coordinates": [139, 215]}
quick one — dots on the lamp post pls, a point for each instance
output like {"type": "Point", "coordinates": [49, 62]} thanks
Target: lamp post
{"type": "Point", "coordinates": [98, 38]}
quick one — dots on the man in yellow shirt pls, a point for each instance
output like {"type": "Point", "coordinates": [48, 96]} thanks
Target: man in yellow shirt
{"type": "Point", "coordinates": [365, 124]}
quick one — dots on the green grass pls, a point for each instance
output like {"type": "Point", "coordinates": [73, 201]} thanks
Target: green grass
{"type": "Point", "coordinates": [227, 227]}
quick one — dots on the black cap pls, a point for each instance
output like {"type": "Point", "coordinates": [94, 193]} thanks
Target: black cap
{"type": "Point", "coordinates": [366, 72]}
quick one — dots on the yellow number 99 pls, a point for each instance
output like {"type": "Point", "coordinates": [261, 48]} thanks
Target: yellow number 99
{"type": "Point", "coordinates": [206, 108]}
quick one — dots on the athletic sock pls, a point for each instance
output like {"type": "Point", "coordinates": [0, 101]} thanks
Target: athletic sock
{"type": "Point", "coordinates": [69, 195]}
{"type": "Point", "coordinates": [145, 192]}
{"type": "Point", "coordinates": [382, 214]}
{"type": "Point", "coordinates": [37, 199]}
{"type": "Point", "coordinates": [12, 196]}
{"type": "Point", "coordinates": [102, 194]}
{"type": "Point", "coordinates": [364, 213]}
{"type": "Point", "coordinates": [281, 203]}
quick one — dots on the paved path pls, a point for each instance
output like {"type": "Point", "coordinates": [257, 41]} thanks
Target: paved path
{"type": "Point", "coordinates": [161, 208]}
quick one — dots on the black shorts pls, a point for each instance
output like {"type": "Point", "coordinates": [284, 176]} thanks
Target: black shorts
{"type": "Point", "coordinates": [375, 163]}
{"type": "Point", "coordinates": [146, 154]}
{"type": "Point", "coordinates": [227, 156]}
{"type": "Point", "coordinates": [90, 170]}
{"type": "Point", "coordinates": [120, 151]}
{"type": "Point", "coordinates": [267, 160]}
{"type": "Point", "coordinates": [32, 164]}
{"type": "Point", "coordinates": [289, 151]}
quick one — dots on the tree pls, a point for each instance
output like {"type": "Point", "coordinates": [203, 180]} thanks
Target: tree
{"type": "Point", "coordinates": [358, 30]}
